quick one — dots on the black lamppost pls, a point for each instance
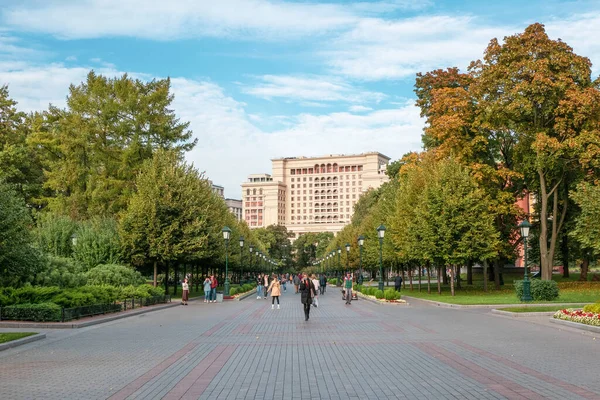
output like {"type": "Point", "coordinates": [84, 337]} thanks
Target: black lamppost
{"type": "Point", "coordinates": [241, 260]}
{"type": "Point", "coordinates": [361, 242]}
{"type": "Point", "coordinates": [226, 235]}
{"type": "Point", "coordinates": [380, 235]}
{"type": "Point", "coordinates": [339, 251]}
{"type": "Point", "coordinates": [251, 249]}
{"type": "Point", "coordinates": [525, 225]}
{"type": "Point", "coordinates": [347, 256]}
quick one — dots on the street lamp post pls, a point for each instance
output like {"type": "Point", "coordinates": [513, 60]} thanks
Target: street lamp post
{"type": "Point", "coordinates": [347, 257]}
{"type": "Point", "coordinates": [241, 260]}
{"type": "Point", "coordinates": [226, 235]}
{"type": "Point", "coordinates": [525, 225]}
{"type": "Point", "coordinates": [361, 242]}
{"type": "Point", "coordinates": [339, 252]}
{"type": "Point", "coordinates": [251, 249]}
{"type": "Point", "coordinates": [380, 235]}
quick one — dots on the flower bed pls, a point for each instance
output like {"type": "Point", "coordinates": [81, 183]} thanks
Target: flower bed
{"type": "Point", "coordinates": [579, 316]}
{"type": "Point", "coordinates": [236, 292]}
{"type": "Point", "coordinates": [394, 301]}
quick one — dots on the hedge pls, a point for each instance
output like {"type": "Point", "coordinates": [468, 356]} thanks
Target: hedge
{"type": "Point", "coordinates": [540, 290]}
{"type": "Point", "coordinates": [32, 312]}
{"type": "Point", "coordinates": [593, 308]}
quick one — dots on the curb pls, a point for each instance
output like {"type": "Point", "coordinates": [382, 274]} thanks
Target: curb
{"type": "Point", "coordinates": [245, 295]}
{"type": "Point", "coordinates": [22, 341]}
{"type": "Point", "coordinates": [381, 303]}
{"type": "Point", "coordinates": [450, 305]}
{"type": "Point", "coordinates": [576, 325]}
{"type": "Point", "coordinates": [522, 314]}
{"type": "Point", "coordinates": [76, 325]}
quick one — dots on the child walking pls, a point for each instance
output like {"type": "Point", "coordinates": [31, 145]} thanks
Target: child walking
{"type": "Point", "coordinates": [275, 288]}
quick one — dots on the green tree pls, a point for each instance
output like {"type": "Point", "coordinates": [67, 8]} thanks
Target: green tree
{"type": "Point", "coordinates": [19, 259]}
{"type": "Point", "coordinates": [166, 219]}
{"type": "Point", "coordinates": [93, 149]}
{"type": "Point", "coordinates": [97, 243]}
{"type": "Point", "coordinates": [18, 163]}
{"type": "Point", "coordinates": [587, 226]}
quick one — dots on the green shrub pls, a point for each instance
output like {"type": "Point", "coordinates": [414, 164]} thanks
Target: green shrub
{"type": "Point", "coordinates": [332, 281]}
{"type": "Point", "coordinates": [115, 275]}
{"type": "Point", "coordinates": [97, 243]}
{"type": "Point", "coordinates": [372, 291]}
{"type": "Point", "coordinates": [103, 294]}
{"type": "Point", "coordinates": [35, 295]}
{"type": "Point", "coordinates": [72, 298]}
{"type": "Point", "coordinates": [32, 312]}
{"type": "Point", "coordinates": [379, 294]}
{"type": "Point", "coordinates": [61, 272]}
{"type": "Point", "coordinates": [540, 290]}
{"type": "Point", "coordinates": [233, 291]}
{"type": "Point", "coordinates": [156, 291]}
{"type": "Point", "coordinates": [594, 308]}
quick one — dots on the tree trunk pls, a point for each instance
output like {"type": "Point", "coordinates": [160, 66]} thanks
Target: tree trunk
{"type": "Point", "coordinates": [565, 254]}
{"type": "Point", "coordinates": [452, 280]}
{"type": "Point", "coordinates": [439, 282]}
{"type": "Point", "coordinates": [175, 279]}
{"type": "Point", "coordinates": [403, 279]}
{"type": "Point", "coordinates": [419, 267]}
{"type": "Point", "coordinates": [167, 277]}
{"type": "Point", "coordinates": [444, 276]}
{"type": "Point", "coordinates": [469, 272]}
{"type": "Point", "coordinates": [428, 266]}
{"type": "Point", "coordinates": [497, 274]}
{"type": "Point", "coordinates": [485, 275]}
{"type": "Point", "coordinates": [410, 278]}
{"type": "Point", "coordinates": [197, 277]}
{"type": "Point", "coordinates": [548, 248]}
{"type": "Point", "coordinates": [155, 272]}
{"type": "Point", "coordinates": [458, 285]}
{"type": "Point", "coordinates": [585, 265]}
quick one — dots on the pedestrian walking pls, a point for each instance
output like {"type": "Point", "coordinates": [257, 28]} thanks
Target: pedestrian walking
{"type": "Point", "coordinates": [322, 283]}
{"type": "Point", "coordinates": [207, 290]}
{"type": "Point", "coordinates": [307, 291]}
{"type": "Point", "coordinates": [316, 283]}
{"type": "Point", "coordinates": [296, 282]}
{"type": "Point", "coordinates": [397, 282]}
{"type": "Point", "coordinates": [348, 288]}
{"type": "Point", "coordinates": [265, 286]}
{"type": "Point", "coordinates": [213, 288]}
{"type": "Point", "coordinates": [185, 292]}
{"type": "Point", "coordinates": [259, 282]}
{"type": "Point", "coordinates": [275, 289]}
{"type": "Point", "coordinates": [284, 283]}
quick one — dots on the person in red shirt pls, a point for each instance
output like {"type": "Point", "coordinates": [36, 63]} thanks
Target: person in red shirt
{"type": "Point", "coordinates": [213, 288]}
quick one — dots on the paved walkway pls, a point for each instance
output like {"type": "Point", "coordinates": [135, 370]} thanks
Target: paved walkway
{"type": "Point", "coordinates": [245, 350]}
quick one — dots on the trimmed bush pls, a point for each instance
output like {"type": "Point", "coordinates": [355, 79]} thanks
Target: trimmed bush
{"type": "Point", "coordinates": [32, 312]}
{"type": "Point", "coordinates": [116, 275]}
{"type": "Point", "coordinates": [73, 298]}
{"type": "Point", "coordinates": [233, 291]}
{"type": "Point", "coordinates": [332, 281]}
{"type": "Point", "coordinates": [156, 291]}
{"type": "Point", "coordinates": [540, 290]}
{"type": "Point", "coordinates": [379, 294]}
{"type": "Point", "coordinates": [61, 272]}
{"type": "Point", "coordinates": [35, 295]}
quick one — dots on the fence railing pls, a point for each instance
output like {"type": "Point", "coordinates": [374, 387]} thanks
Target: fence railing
{"type": "Point", "coordinates": [61, 314]}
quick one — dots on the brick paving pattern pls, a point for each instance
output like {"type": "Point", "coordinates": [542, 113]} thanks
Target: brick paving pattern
{"type": "Point", "coordinates": [245, 350]}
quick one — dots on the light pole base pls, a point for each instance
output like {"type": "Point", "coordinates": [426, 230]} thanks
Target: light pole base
{"type": "Point", "coordinates": [381, 285]}
{"type": "Point", "coordinates": [526, 291]}
{"type": "Point", "coordinates": [226, 287]}
{"type": "Point", "coordinates": [360, 280]}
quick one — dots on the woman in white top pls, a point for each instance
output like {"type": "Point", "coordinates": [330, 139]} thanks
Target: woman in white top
{"type": "Point", "coordinates": [186, 292]}
{"type": "Point", "coordinates": [316, 283]}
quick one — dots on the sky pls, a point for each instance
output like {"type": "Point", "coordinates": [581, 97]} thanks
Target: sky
{"type": "Point", "coordinates": [264, 79]}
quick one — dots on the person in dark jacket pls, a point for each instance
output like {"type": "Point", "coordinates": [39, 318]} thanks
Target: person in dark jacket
{"type": "Point", "coordinates": [397, 282]}
{"type": "Point", "coordinates": [322, 283]}
{"type": "Point", "coordinates": [307, 292]}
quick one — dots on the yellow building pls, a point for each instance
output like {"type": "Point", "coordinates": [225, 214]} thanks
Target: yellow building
{"type": "Point", "coordinates": [311, 194]}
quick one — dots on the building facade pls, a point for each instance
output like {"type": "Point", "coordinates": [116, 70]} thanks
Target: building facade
{"type": "Point", "coordinates": [218, 190]}
{"type": "Point", "coordinates": [311, 194]}
{"type": "Point", "coordinates": [235, 207]}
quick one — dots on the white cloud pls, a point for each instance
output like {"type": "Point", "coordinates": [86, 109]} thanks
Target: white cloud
{"type": "Point", "coordinates": [312, 90]}
{"type": "Point", "coordinates": [359, 108]}
{"type": "Point", "coordinates": [379, 49]}
{"type": "Point", "coordinates": [163, 20]}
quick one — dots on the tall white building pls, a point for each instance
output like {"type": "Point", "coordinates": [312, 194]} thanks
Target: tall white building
{"type": "Point", "coordinates": [311, 194]}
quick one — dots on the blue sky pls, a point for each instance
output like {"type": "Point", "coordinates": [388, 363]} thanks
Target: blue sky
{"type": "Point", "coordinates": [260, 79]}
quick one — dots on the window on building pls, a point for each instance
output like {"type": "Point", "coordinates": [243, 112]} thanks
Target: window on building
{"type": "Point", "coordinates": [292, 172]}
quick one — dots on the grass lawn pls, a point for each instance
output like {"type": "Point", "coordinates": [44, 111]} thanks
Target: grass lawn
{"type": "Point", "coordinates": [540, 308]}
{"type": "Point", "coordinates": [474, 295]}
{"type": "Point", "coordinates": [8, 337]}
